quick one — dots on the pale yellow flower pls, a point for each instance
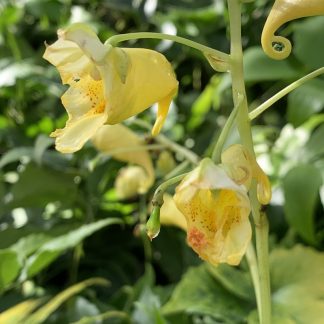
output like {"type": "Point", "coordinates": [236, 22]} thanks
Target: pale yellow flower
{"type": "Point", "coordinates": [125, 145]}
{"type": "Point", "coordinates": [107, 84]}
{"type": "Point", "coordinates": [282, 12]}
{"type": "Point", "coordinates": [217, 214]}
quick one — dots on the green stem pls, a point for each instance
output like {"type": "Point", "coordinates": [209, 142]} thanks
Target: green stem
{"type": "Point", "coordinates": [188, 154]}
{"type": "Point", "coordinates": [244, 127]}
{"type": "Point", "coordinates": [158, 194]}
{"type": "Point", "coordinates": [267, 104]}
{"type": "Point", "coordinates": [216, 155]}
{"type": "Point", "coordinates": [177, 170]}
{"type": "Point", "coordinates": [175, 147]}
{"type": "Point", "coordinates": [135, 148]}
{"type": "Point", "coordinates": [181, 40]}
{"type": "Point", "coordinates": [254, 271]}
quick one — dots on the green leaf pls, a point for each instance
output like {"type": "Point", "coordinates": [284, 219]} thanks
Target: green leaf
{"type": "Point", "coordinates": [308, 42]}
{"type": "Point", "coordinates": [259, 67]}
{"type": "Point", "coordinates": [9, 267]}
{"type": "Point", "coordinates": [199, 293]}
{"type": "Point", "coordinates": [314, 148]}
{"type": "Point", "coordinates": [41, 144]}
{"type": "Point", "coordinates": [298, 290]}
{"type": "Point", "coordinates": [39, 185]}
{"type": "Point", "coordinates": [18, 313]}
{"type": "Point", "coordinates": [15, 155]}
{"type": "Point", "coordinates": [48, 252]}
{"type": "Point", "coordinates": [301, 186]}
{"type": "Point", "coordinates": [234, 280]}
{"type": "Point", "coordinates": [42, 314]}
{"type": "Point", "coordinates": [305, 101]}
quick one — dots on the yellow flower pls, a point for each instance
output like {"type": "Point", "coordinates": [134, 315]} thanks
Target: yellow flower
{"type": "Point", "coordinates": [118, 141]}
{"type": "Point", "coordinates": [242, 168]}
{"type": "Point", "coordinates": [282, 12]}
{"type": "Point", "coordinates": [107, 84]}
{"type": "Point", "coordinates": [217, 214]}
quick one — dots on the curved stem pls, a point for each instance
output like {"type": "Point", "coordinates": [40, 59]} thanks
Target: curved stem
{"type": "Point", "coordinates": [158, 194]}
{"type": "Point", "coordinates": [216, 155]}
{"type": "Point", "coordinates": [244, 127]}
{"type": "Point", "coordinates": [267, 104]}
{"type": "Point", "coordinates": [181, 40]}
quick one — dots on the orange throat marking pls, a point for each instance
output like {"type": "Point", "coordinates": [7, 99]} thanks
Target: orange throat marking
{"type": "Point", "coordinates": [196, 238]}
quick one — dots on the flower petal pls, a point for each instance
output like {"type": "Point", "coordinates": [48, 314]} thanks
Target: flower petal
{"type": "Point", "coordinates": [150, 79]}
{"type": "Point", "coordinates": [71, 138]}
{"type": "Point", "coordinates": [69, 59]}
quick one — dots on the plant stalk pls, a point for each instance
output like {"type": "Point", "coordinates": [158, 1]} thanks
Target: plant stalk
{"type": "Point", "coordinates": [244, 127]}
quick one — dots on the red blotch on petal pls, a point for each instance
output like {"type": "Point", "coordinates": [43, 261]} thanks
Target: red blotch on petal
{"type": "Point", "coordinates": [196, 238]}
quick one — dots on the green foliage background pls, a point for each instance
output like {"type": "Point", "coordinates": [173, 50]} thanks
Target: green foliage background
{"type": "Point", "coordinates": [60, 220]}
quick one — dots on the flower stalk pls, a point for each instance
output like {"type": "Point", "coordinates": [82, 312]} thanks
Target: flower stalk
{"type": "Point", "coordinates": [244, 127]}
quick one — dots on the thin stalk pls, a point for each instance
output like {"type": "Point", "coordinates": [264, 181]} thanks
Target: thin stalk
{"type": "Point", "coordinates": [173, 146]}
{"type": "Point", "coordinates": [158, 194]}
{"type": "Point", "coordinates": [267, 104]}
{"type": "Point", "coordinates": [244, 127]}
{"type": "Point", "coordinates": [184, 41]}
{"type": "Point", "coordinates": [216, 155]}
{"type": "Point", "coordinates": [135, 148]}
{"type": "Point", "coordinates": [254, 271]}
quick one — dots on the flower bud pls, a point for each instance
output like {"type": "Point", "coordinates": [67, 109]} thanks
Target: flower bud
{"type": "Point", "coordinates": [165, 163]}
{"type": "Point", "coordinates": [130, 182]}
{"type": "Point", "coordinates": [153, 224]}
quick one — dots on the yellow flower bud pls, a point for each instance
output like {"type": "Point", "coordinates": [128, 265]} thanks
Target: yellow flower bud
{"type": "Point", "coordinates": [217, 214]}
{"type": "Point", "coordinates": [113, 139]}
{"type": "Point", "coordinates": [242, 167]}
{"type": "Point", "coordinates": [165, 163]}
{"type": "Point", "coordinates": [107, 85]}
{"type": "Point", "coordinates": [282, 12]}
{"type": "Point", "coordinates": [130, 182]}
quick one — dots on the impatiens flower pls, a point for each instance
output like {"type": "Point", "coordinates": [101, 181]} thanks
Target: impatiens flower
{"type": "Point", "coordinates": [242, 168]}
{"type": "Point", "coordinates": [278, 47]}
{"type": "Point", "coordinates": [125, 145]}
{"type": "Point", "coordinates": [107, 84]}
{"type": "Point", "coordinates": [217, 214]}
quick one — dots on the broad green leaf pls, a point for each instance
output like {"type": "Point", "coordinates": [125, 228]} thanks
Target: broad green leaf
{"type": "Point", "coordinates": [41, 144]}
{"type": "Point", "coordinates": [39, 185]}
{"type": "Point", "coordinates": [297, 286]}
{"type": "Point", "coordinates": [9, 267]}
{"type": "Point", "coordinates": [314, 148]}
{"type": "Point", "coordinates": [234, 280]}
{"type": "Point", "coordinates": [199, 293]}
{"type": "Point", "coordinates": [148, 308]}
{"type": "Point", "coordinates": [259, 67]}
{"type": "Point", "coordinates": [42, 314]}
{"type": "Point", "coordinates": [209, 97]}
{"type": "Point", "coordinates": [305, 101]}
{"type": "Point", "coordinates": [110, 315]}
{"type": "Point", "coordinates": [308, 42]}
{"type": "Point", "coordinates": [11, 71]}
{"type": "Point", "coordinates": [18, 313]}
{"type": "Point", "coordinates": [301, 189]}
{"type": "Point", "coordinates": [15, 155]}
{"type": "Point", "coordinates": [48, 252]}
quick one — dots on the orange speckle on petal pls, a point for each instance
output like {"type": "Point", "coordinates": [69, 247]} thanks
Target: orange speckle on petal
{"type": "Point", "coordinates": [196, 238]}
